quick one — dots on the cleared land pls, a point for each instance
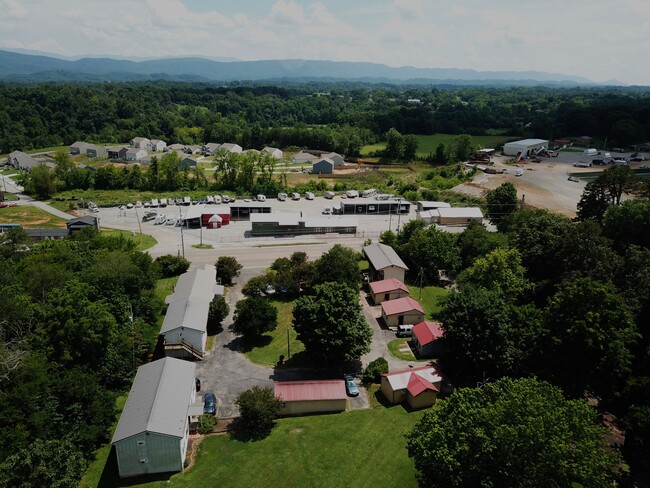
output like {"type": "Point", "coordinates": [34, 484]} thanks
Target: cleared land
{"type": "Point", "coordinates": [143, 241]}
{"type": "Point", "coordinates": [429, 143]}
{"type": "Point", "coordinates": [30, 218]}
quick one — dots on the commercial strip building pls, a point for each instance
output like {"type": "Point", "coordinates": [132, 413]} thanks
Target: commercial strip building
{"type": "Point", "coordinates": [372, 207]}
{"type": "Point", "coordinates": [452, 216]}
{"type": "Point", "coordinates": [524, 147]}
{"type": "Point", "coordinates": [153, 430]}
{"type": "Point", "coordinates": [291, 224]}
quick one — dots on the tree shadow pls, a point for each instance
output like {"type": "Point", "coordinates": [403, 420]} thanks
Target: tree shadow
{"type": "Point", "coordinates": [246, 345]}
{"type": "Point", "coordinates": [239, 432]}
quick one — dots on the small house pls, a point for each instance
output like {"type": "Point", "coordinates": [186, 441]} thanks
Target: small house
{"type": "Point", "coordinates": [140, 142]}
{"type": "Point", "coordinates": [401, 311]}
{"type": "Point", "coordinates": [156, 145]}
{"type": "Point", "coordinates": [304, 157]}
{"type": "Point", "coordinates": [20, 160]}
{"type": "Point", "coordinates": [80, 223]}
{"type": "Point", "coordinates": [426, 337]}
{"type": "Point", "coordinates": [153, 431]}
{"type": "Point", "coordinates": [95, 151]}
{"type": "Point", "coordinates": [79, 147]}
{"type": "Point", "coordinates": [390, 289]}
{"type": "Point", "coordinates": [193, 149]}
{"type": "Point", "coordinates": [231, 148]}
{"type": "Point", "coordinates": [384, 262]}
{"type": "Point", "coordinates": [117, 152]}
{"type": "Point", "coordinates": [135, 154]}
{"type": "Point", "coordinates": [336, 158]}
{"type": "Point", "coordinates": [316, 396]}
{"type": "Point", "coordinates": [274, 152]}
{"type": "Point", "coordinates": [323, 166]}
{"type": "Point", "coordinates": [419, 387]}
{"type": "Point", "coordinates": [210, 148]}
{"type": "Point", "coordinates": [189, 162]}
{"type": "Point", "coordinates": [176, 147]}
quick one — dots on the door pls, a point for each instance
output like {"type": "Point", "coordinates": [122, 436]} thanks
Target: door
{"type": "Point", "coordinates": [400, 320]}
{"type": "Point", "coordinates": [386, 297]}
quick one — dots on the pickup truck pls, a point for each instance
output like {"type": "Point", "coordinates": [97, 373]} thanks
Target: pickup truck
{"type": "Point", "coordinates": [582, 164]}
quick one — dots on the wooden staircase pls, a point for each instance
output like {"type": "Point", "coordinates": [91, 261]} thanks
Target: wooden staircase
{"type": "Point", "coordinates": [184, 346]}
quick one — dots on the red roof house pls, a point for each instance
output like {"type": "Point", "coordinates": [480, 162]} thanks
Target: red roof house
{"type": "Point", "coordinates": [425, 335]}
{"type": "Point", "coordinates": [402, 311]}
{"type": "Point", "coordinates": [419, 387]}
{"type": "Point", "coordinates": [389, 289]}
{"type": "Point", "coordinates": [302, 397]}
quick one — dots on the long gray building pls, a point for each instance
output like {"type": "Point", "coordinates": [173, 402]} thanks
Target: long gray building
{"type": "Point", "coordinates": [288, 224]}
{"type": "Point", "coordinates": [364, 206]}
{"type": "Point", "coordinates": [153, 430]}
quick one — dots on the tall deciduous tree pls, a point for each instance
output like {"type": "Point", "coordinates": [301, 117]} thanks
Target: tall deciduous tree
{"type": "Point", "coordinates": [340, 264]}
{"type": "Point", "coordinates": [628, 223]}
{"type": "Point", "coordinates": [227, 269]}
{"type": "Point", "coordinates": [595, 200]}
{"type": "Point", "coordinates": [520, 433]}
{"type": "Point", "coordinates": [253, 316]}
{"type": "Point", "coordinates": [330, 324]}
{"type": "Point", "coordinates": [501, 202]}
{"type": "Point", "coordinates": [588, 337]}
{"type": "Point", "coordinates": [258, 408]}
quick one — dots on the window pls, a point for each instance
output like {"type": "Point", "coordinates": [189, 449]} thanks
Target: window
{"type": "Point", "coordinates": [140, 443]}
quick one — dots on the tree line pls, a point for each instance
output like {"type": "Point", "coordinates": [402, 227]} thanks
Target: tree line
{"type": "Point", "coordinates": [341, 117]}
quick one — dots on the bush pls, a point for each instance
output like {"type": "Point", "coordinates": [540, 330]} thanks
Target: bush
{"type": "Point", "coordinates": [170, 265]}
{"type": "Point", "coordinates": [207, 423]}
{"type": "Point", "coordinates": [258, 408]}
{"type": "Point", "coordinates": [219, 310]}
{"type": "Point", "coordinates": [227, 269]}
{"type": "Point", "coordinates": [372, 373]}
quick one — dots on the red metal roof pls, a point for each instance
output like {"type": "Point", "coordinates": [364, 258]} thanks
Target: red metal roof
{"type": "Point", "coordinates": [411, 370]}
{"type": "Point", "coordinates": [427, 332]}
{"type": "Point", "coordinates": [400, 305]}
{"type": "Point", "coordinates": [385, 286]}
{"type": "Point", "coordinates": [417, 385]}
{"type": "Point", "coordinates": [294, 391]}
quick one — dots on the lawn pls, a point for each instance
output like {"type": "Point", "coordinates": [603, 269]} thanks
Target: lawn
{"type": "Point", "coordinates": [394, 349]}
{"type": "Point", "coordinates": [430, 297]}
{"type": "Point", "coordinates": [144, 241]}
{"type": "Point", "coordinates": [274, 344]}
{"type": "Point", "coordinates": [30, 217]}
{"type": "Point", "coordinates": [361, 448]}
{"type": "Point", "coordinates": [429, 143]}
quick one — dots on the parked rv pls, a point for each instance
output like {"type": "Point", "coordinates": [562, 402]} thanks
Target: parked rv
{"type": "Point", "coordinates": [282, 197]}
{"type": "Point", "coordinates": [590, 152]}
{"type": "Point", "coordinates": [309, 195]}
{"type": "Point", "coordinates": [295, 196]}
{"type": "Point", "coordinates": [330, 194]}
{"type": "Point", "coordinates": [352, 194]}
{"type": "Point", "coordinates": [370, 192]}
{"type": "Point", "coordinates": [261, 198]}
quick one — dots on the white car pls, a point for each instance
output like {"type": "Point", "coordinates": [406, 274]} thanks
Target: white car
{"type": "Point", "coordinates": [129, 205]}
{"type": "Point", "coordinates": [309, 195]}
{"type": "Point", "coordinates": [519, 172]}
{"type": "Point", "coordinates": [261, 198]}
{"type": "Point", "coordinates": [295, 196]}
{"type": "Point", "coordinates": [282, 197]}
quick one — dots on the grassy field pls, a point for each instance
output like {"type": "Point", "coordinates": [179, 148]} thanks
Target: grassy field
{"type": "Point", "coordinates": [430, 297]}
{"type": "Point", "coordinates": [394, 349]}
{"type": "Point", "coordinates": [30, 217]}
{"type": "Point", "coordinates": [427, 144]}
{"type": "Point", "coordinates": [361, 448]}
{"type": "Point", "coordinates": [274, 344]}
{"type": "Point", "coordinates": [144, 241]}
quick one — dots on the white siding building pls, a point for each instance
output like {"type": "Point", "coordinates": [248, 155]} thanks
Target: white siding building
{"type": "Point", "coordinates": [152, 433]}
{"type": "Point", "coordinates": [527, 147]}
{"type": "Point", "coordinates": [185, 326]}
{"type": "Point", "coordinates": [384, 263]}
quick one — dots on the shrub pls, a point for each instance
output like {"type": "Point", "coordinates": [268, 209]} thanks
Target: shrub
{"type": "Point", "coordinates": [372, 373]}
{"type": "Point", "coordinates": [258, 408]}
{"type": "Point", "coordinates": [207, 423]}
{"type": "Point", "coordinates": [170, 265]}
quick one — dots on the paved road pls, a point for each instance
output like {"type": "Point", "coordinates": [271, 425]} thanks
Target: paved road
{"type": "Point", "coordinates": [16, 189]}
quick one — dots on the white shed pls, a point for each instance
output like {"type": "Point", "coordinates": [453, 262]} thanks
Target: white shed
{"type": "Point", "coordinates": [152, 433]}
{"type": "Point", "coordinates": [527, 147]}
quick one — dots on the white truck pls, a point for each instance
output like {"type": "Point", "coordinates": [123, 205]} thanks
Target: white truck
{"type": "Point", "coordinates": [582, 164]}
{"type": "Point", "coordinates": [590, 152]}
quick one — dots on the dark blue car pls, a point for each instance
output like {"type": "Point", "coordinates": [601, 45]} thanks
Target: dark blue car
{"type": "Point", "coordinates": [209, 404]}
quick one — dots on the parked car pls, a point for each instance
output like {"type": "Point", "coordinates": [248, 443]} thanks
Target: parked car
{"type": "Point", "coordinates": [261, 198]}
{"type": "Point", "coordinates": [519, 172]}
{"type": "Point", "coordinates": [295, 196]}
{"type": "Point", "coordinates": [282, 197]}
{"type": "Point", "coordinates": [225, 198]}
{"type": "Point", "coordinates": [573, 178]}
{"type": "Point", "coordinates": [405, 330]}
{"type": "Point", "coordinates": [129, 206]}
{"type": "Point", "coordinates": [198, 384]}
{"type": "Point", "coordinates": [309, 195]}
{"type": "Point", "coordinates": [209, 403]}
{"type": "Point", "coordinates": [351, 386]}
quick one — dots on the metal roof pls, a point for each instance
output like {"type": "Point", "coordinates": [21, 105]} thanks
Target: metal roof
{"type": "Point", "coordinates": [382, 256]}
{"type": "Point", "coordinates": [385, 286]}
{"type": "Point", "coordinates": [527, 142]}
{"type": "Point", "coordinates": [189, 305]}
{"type": "Point", "coordinates": [399, 380]}
{"type": "Point", "coordinates": [427, 332]}
{"type": "Point", "coordinates": [400, 305]}
{"type": "Point", "coordinates": [473, 212]}
{"type": "Point", "coordinates": [429, 205]}
{"type": "Point", "coordinates": [295, 391]}
{"type": "Point", "coordinates": [417, 384]}
{"type": "Point", "coordinates": [159, 399]}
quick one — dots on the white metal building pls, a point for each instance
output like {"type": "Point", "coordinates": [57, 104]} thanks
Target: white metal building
{"type": "Point", "coordinates": [185, 326]}
{"type": "Point", "coordinates": [526, 147]}
{"type": "Point", "coordinates": [152, 433]}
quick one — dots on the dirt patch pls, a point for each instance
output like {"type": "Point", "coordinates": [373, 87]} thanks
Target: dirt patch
{"type": "Point", "coordinates": [296, 431]}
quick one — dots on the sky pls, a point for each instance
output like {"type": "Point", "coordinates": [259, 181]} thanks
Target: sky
{"type": "Point", "coordinates": [598, 39]}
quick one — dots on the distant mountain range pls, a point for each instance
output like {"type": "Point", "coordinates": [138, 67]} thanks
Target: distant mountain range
{"type": "Point", "coordinates": [21, 67]}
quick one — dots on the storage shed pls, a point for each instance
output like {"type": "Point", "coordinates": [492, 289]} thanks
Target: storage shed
{"type": "Point", "coordinates": [425, 338]}
{"type": "Point", "coordinates": [401, 311]}
{"type": "Point", "coordinates": [315, 396]}
{"type": "Point", "coordinates": [525, 147]}
{"type": "Point", "coordinates": [458, 215]}
{"type": "Point", "coordinates": [152, 433]}
{"type": "Point", "coordinates": [384, 262]}
{"type": "Point", "coordinates": [292, 224]}
{"type": "Point", "coordinates": [419, 387]}
{"type": "Point", "coordinates": [425, 205]}
{"type": "Point", "coordinates": [184, 328]}
{"type": "Point", "coordinates": [390, 289]}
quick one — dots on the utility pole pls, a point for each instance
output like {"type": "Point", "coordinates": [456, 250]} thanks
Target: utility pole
{"type": "Point", "coordinates": [138, 218]}
{"type": "Point", "coordinates": [288, 344]}
{"type": "Point", "coordinates": [399, 212]}
{"type": "Point", "coordinates": [181, 221]}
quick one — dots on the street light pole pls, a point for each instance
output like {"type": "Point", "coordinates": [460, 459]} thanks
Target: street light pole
{"type": "Point", "coordinates": [399, 212]}
{"type": "Point", "coordinates": [181, 221]}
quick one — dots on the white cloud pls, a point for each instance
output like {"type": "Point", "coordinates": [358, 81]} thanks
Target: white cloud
{"type": "Point", "coordinates": [409, 9]}
{"type": "Point", "coordinates": [288, 13]}
{"type": "Point", "coordinates": [12, 10]}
